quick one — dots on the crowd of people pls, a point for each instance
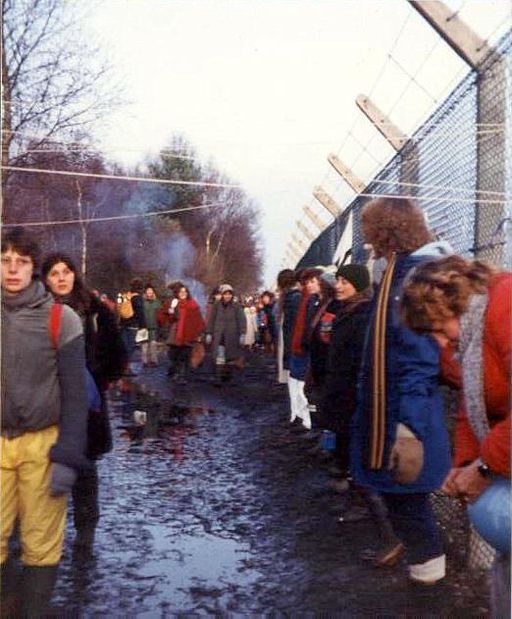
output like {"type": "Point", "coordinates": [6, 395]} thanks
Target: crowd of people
{"type": "Point", "coordinates": [63, 346]}
{"type": "Point", "coordinates": [365, 356]}
{"type": "Point", "coordinates": [364, 353]}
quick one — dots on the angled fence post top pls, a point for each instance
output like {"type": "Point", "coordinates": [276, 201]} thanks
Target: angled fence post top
{"type": "Point", "coordinates": [327, 202]}
{"type": "Point", "coordinates": [299, 242]}
{"type": "Point", "coordinates": [314, 218]}
{"type": "Point", "coordinates": [346, 173]}
{"type": "Point", "coordinates": [296, 250]}
{"type": "Point", "coordinates": [309, 235]}
{"type": "Point", "coordinates": [380, 121]}
{"type": "Point", "coordinates": [464, 41]}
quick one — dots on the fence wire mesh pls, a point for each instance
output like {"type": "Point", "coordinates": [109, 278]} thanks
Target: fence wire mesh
{"type": "Point", "coordinates": [458, 166]}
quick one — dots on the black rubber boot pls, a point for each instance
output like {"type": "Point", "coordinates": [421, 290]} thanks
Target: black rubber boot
{"type": "Point", "coordinates": [83, 543]}
{"type": "Point", "coordinates": [36, 590]}
{"type": "Point", "coordinates": [9, 590]}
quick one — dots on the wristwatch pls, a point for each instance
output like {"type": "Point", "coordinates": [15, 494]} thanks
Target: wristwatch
{"type": "Point", "coordinates": [483, 469]}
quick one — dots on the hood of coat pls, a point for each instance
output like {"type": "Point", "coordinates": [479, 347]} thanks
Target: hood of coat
{"type": "Point", "coordinates": [34, 295]}
{"type": "Point", "coordinates": [435, 248]}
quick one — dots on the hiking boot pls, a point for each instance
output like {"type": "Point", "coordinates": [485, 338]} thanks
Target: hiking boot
{"type": "Point", "coordinates": [340, 486]}
{"type": "Point", "coordinates": [387, 557]}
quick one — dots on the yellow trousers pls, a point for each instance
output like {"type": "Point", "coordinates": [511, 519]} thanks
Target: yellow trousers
{"type": "Point", "coordinates": [25, 494]}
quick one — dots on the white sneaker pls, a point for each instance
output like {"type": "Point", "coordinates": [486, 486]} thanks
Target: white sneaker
{"type": "Point", "coordinates": [430, 572]}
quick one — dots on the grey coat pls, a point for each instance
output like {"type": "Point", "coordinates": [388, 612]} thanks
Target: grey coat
{"type": "Point", "coordinates": [43, 386]}
{"type": "Point", "coordinates": [226, 324]}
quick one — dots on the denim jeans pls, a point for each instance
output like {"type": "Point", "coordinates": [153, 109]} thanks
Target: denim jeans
{"type": "Point", "coordinates": [414, 523]}
{"type": "Point", "coordinates": [128, 336]}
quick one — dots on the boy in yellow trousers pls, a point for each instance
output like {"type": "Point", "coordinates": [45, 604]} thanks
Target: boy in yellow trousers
{"type": "Point", "coordinates": [44, 417]}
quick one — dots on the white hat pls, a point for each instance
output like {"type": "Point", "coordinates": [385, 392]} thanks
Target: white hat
{"type": "Point", "coordinates": [225, 288]}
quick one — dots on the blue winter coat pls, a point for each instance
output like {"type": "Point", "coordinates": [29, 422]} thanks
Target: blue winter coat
{"type": "Point", "coordinates": [412, 397]}
{"type": "Point", "coordinates": [291, 305]}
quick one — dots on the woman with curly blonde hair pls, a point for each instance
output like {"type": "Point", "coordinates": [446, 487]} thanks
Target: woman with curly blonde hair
{"type": "Point", "coordinates": [466, 306]}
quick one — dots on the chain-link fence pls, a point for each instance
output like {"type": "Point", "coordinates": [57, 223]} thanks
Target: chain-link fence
{"type": "Point", "coordinates": [458, 166]}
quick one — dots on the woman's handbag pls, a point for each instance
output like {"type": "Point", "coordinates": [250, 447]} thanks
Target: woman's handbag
{"type": "Point", "coordinates": [490, 514]}
{"type": "Point", "coordinates": [197, 355]}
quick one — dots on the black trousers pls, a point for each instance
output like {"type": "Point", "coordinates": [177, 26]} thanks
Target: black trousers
{"type": "Point", "coordinates": [86, 511]}
{"type": "Point", "coordinates": [179, 356]}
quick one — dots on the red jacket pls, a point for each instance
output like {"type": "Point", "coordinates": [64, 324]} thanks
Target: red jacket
{"type": "Point", "coordinates": [497, 343]}
{"type": "Point", "coordinates": [189, 322]}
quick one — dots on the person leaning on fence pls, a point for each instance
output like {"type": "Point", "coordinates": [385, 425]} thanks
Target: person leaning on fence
{"type": "Point", "coordinates": [399, 442]}
{"type": "Point", "coordinates": [318, 334]}
{"type": "Point", "coordinates": [299, 353]}
{"type": "Point", "coordinates": [288, 303]}
{"type": "Point", "coordinates": [266, 322]}
{"type": "Point", "coordinates": [337, 403]}
{"type": "Point", "coordinates": [466, 306]}
{"type": "Point", "coordinates": [44, 420]}
{"type": "Point", "coordinates": [106, 359]}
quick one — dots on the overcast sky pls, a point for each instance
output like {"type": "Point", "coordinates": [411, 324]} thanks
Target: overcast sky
{"type": "Point", "coordinates": [266, 88]}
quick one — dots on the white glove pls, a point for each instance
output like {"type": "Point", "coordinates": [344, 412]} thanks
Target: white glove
{"type": "Point", "coordinates": [208, 339]}
{"type": "Point", "coordinates": [174, 303]}
{"type": "Point", "coordinates": [242, 339]}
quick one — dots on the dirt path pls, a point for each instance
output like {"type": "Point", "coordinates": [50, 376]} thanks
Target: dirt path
{"type": "Point", "coordinates": [215, 507]}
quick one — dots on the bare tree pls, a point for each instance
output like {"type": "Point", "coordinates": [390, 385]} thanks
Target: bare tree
{"type": "Point", "coordinates": [54, 83]}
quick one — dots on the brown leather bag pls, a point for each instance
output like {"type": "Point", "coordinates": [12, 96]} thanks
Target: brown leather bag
{"type": "Point", "coordinates": [197, 355]}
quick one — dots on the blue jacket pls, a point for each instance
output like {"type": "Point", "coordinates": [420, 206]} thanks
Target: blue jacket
{"type": "Point", "coordinates": [291, 305]}
{"type": "Point", "coordinates": [413, 397]}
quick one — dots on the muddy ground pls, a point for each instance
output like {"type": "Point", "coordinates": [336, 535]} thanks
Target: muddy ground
{"type": "Point", "coordinates": [215, 507]}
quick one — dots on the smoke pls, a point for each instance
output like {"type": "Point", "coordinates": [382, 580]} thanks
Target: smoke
{"type": "Point", "coordinates": [178, 259]}
{"type": "Point", "coordinates": [179, 255]}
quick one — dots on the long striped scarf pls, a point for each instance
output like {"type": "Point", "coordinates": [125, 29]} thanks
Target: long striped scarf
{"type": "Point", "coordinates": [378, 413]}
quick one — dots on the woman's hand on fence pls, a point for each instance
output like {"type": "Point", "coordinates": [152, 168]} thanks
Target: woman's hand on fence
{"type": "Point", "coordinates": [449, 487]}
{"type": "Point", "coordinates": [470, 483]}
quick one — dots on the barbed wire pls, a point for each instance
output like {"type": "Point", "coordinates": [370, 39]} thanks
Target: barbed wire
{"type": "Point", "coordinates": [140, 179]}
{"type": "Point", "coordinates": [57, 222]}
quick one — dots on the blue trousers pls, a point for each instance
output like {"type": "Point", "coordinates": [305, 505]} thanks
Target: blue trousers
{"type": "Point", "coordinates": [128, 336]}
{"type": "Point", "coordinates": [414, 523]}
